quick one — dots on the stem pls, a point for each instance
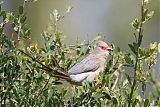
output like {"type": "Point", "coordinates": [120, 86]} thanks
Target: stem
{"type": "Point", "coordinates": [41, 90]}
{"type": "Point", "coordinates": [20, 25]}
{"type": "Point", "coordinates": [140, 36]}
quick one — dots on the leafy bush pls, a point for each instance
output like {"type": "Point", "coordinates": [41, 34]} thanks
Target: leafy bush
{"type": "Point", "coordinates": [23, 83]}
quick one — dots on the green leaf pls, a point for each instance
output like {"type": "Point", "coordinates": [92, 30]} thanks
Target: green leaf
{"type": "Point", "coordinates": [128, 78]}
{"type": "Point", "coordinates": [78, 50]}
{"type": "Point", "coordinates": [1, 30]}
{"type": "Point", "coordinates": [128, 65]}
{"type": "Point", "coordinates": [118, 49]}
{"type": "Point", "coordinates": [4, 91]}
{"type": "Point", "coordinates": [145, 12]}
{"type": "Point", "coordinates": [52, 47]}
{"type": "Point", "coordinates": [98, 104]}
{"type": "Point", "coordinates": [109, 64]}
{"type": "Point", "coordinates": [18, 59]}
{"type": "Point", "coordinates": [153, 45]}
{"type": "Point", "coordinates": [69, 62]}
{"type": "Point", "coordinates": [45, 93]}
{"type": "Point", "coordinates": [147, 15]}
{"type": "Point", "coordinates": [132, 48]}
{"type": "Point", "coordinates": [25, 30]}
{"type": "Point", "coordinates": [142, 52]}
{"type": "Point", "coordinates": [135, 24]}
{"type": "Point", "coordinates": [23, 19]}
{"type": "Point", "coordinates": [9, 18]}
{"type": "Point", "coordinates": [20, 9]}
{"type": "Point", "coordinates": [87, 51]}
{"type": "Point", "coordinates": [146, 103]}
{"type": "Point", "coordinates": [64, 93]}
{"type": "Point", "coordinates": [115, 101]}
{"type": "Point", "coordinates": [112, 70]}
{"type": "Point", "coordinates": [159, 47]}
{"type": "Point", "coordinates": [128, 59]}
{"type": "Point", "coordinates": [136, 103]}
{"type": "Point", "coordinates": [58, 37]}
{"type": "Point", "coordinates": [3, 13]}
{"type": "Point", "coordinates": [106, 80]}
{"type": "Point", "coordinates": [107, 96]}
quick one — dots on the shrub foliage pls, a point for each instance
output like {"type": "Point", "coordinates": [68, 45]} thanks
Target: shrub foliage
{"type": "Point", "coordinates": [24, 84]}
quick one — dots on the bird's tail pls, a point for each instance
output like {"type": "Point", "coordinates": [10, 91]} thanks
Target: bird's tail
{"type": "Point", "coordinates": [56, 72]}
{"type": "Point", "coordinates": [59, 73]}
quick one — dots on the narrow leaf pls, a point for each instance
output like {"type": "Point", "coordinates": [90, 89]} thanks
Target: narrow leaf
{"type": "Point", "coordinates": [107, 96]}
{"type": "Point", "coordinates": [132, 48]}
{"type": "Point", "coordinates": [146, 103]}
{"type": "Point", "coordinates": [159, 47]}
{"type": "Point", "coordinates": [20, 9]}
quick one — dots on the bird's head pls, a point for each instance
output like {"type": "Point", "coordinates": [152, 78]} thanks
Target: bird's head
{"type": "Point", "coordinates": [103, 46]}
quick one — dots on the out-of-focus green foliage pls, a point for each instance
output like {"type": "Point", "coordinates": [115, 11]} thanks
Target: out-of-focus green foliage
{"type": "Point", "coordinates": [23, 84]}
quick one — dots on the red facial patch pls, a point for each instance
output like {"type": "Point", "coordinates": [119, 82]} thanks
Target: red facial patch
{"type": "Point", "coordinates": [103, 47]}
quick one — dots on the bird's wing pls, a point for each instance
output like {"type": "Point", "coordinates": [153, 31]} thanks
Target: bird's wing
{"type": "Point", "coordinates": [86, 65]}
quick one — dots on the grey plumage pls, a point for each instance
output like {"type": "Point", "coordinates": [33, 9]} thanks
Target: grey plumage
{"type": "Point", "coordinates": [89, 68]}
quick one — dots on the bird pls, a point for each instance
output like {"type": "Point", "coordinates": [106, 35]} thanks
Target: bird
{"type": "Point", "coordinates": [87, 69]}
{"type": "Point", "coordinates": [90, 67]}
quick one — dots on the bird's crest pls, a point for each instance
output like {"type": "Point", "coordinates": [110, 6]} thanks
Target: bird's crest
{"type": "Point", "coordinates": [103, 46]}
{"type": "Point", "coordinates": [101, 43]}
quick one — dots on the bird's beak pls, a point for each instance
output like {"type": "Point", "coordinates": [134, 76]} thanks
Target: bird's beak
{"type": "Point", "coordinates": [109, 49]}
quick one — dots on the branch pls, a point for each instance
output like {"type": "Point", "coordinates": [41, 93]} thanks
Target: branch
{"type": "Point", "coordinates": [117, 77]}
{"type": "Point", "coordinates": [41, 90]}
{"type": "Point", "coordinates": [140, 36]}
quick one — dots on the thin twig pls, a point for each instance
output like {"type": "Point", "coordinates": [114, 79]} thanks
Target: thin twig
{"type": "Point", "coordinates": [41, 91]}
{"type": "Point", "coordinates": [135, 37]}
{"type": "Point", "coordinates": [20, 25]}
{"type": "Point", "coordinates": [140, 35]}
{"type": "Point", "coordinates": [117, 77]}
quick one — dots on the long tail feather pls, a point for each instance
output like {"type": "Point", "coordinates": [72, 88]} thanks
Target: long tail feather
{"type": "Point", "coordinates": [55, 72]}
{"type": "Point", "coordinates": [58, 74]}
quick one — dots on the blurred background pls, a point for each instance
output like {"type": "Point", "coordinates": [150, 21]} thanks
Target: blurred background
{"type": "Point", "coordinates": [111, 18]}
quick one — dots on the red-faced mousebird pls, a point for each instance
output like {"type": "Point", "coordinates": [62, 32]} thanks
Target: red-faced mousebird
{"type": "Point", "coordinates": [86, 70]}
{"type": "Point", "coordinates": [89, 68]}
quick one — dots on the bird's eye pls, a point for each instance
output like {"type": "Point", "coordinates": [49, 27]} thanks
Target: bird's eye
{"type": "Point", "coordinates": [103, 48]}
